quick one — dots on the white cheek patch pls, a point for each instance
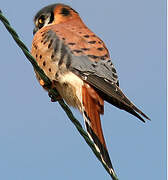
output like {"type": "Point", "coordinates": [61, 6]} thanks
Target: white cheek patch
{"type": "Point", "coordinates": [47, 21]}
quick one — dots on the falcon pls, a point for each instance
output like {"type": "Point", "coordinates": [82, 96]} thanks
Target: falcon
{"type": "Point", "coordinates": [79, 66]}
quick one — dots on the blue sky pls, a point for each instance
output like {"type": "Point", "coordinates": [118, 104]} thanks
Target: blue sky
{"type": "Point", "coordinates": [38, 141]}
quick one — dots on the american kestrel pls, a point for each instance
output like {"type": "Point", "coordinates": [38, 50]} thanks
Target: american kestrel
{"type": "Point", "coordinates": [79, 66]}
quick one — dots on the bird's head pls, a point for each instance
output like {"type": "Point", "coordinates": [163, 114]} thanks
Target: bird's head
{"type": "Point", "coordinates": [53, 14]}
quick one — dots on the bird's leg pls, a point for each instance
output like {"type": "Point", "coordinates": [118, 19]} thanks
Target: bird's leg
{"type": "Point", "coordinates": [54, 96]}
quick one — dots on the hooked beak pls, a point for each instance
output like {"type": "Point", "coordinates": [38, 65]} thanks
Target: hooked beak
{"type": "Point", "coordinates": [35, 30]}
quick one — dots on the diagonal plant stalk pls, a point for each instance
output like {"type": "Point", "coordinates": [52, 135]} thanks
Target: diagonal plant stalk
{"type": "Point", "coordinates": [54, 92]}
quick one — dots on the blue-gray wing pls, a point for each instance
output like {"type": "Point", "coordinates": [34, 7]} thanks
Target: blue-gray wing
{"type": "Point", "coordinates": [102, 76]}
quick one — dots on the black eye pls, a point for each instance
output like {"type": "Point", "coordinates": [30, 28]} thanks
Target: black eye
{"type": "Point", "coordinates": [41, 19]}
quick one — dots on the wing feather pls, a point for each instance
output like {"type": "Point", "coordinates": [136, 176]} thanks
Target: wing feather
{"type": "Point", "coordinates": [113, 94]}
{"type": "Point", "coordinates": [102, 75]}
{"type": "Point", "coordinates": [103, 78]}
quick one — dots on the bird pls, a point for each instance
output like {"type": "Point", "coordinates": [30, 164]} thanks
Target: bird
{"type": "Point", "coordinates": [79, 66]}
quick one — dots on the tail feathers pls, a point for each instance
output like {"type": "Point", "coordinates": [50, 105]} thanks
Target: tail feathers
{"type": "Point", "coordinates": [92, 108]}
{"type": "Point", "coordinates": [100, 147]}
